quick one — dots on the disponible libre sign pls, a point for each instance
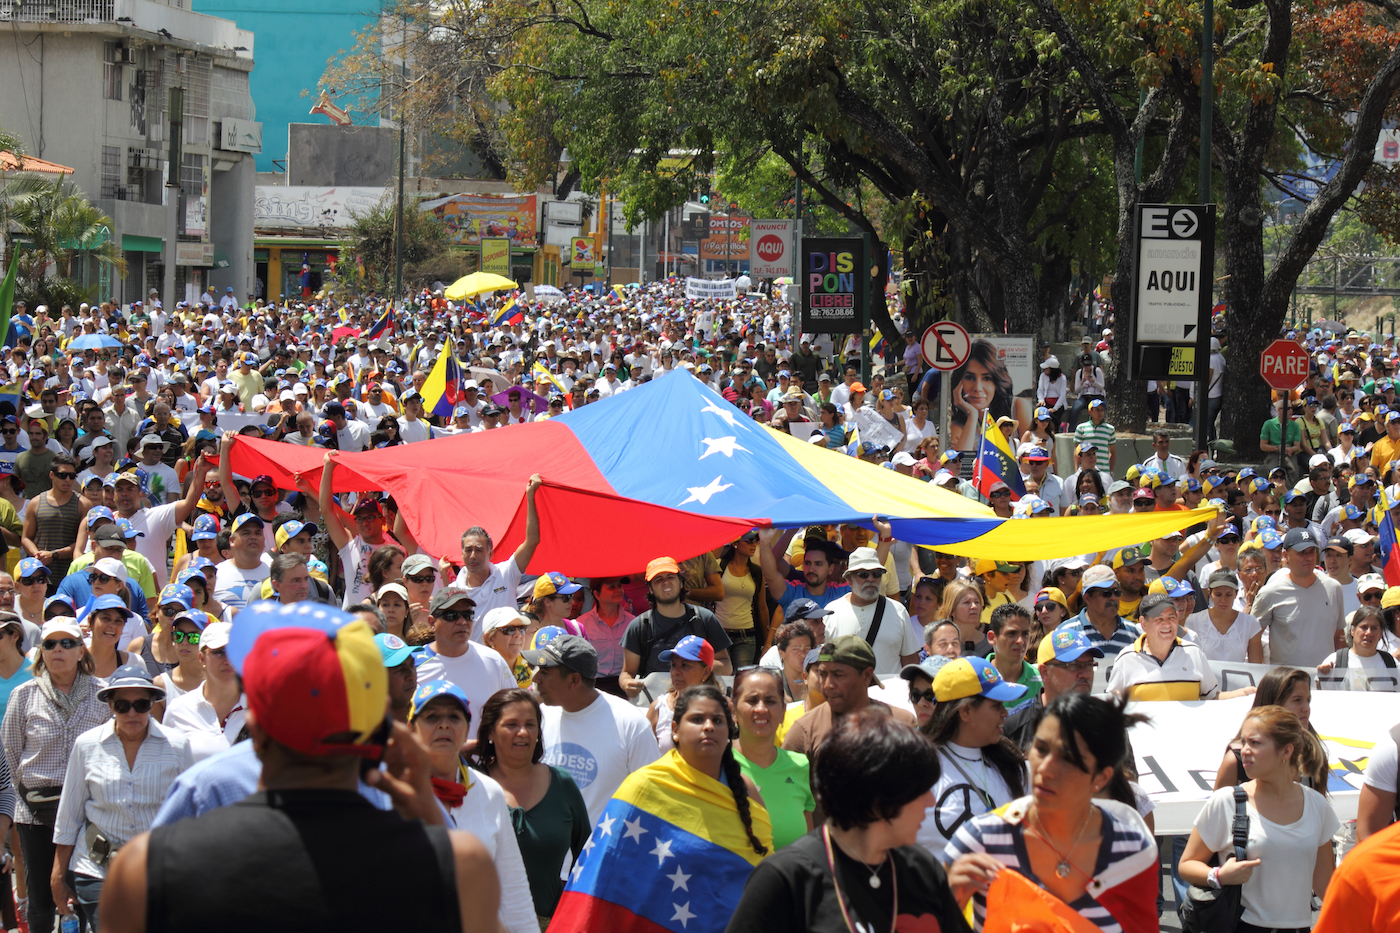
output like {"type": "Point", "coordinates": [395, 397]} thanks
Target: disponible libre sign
{"type": "Point", "coordinates": [833, 272]}
{"type": "Point", "coordinates": [1173, 275]}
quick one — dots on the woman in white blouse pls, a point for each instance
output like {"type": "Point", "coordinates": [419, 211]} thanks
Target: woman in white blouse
{"type": "Point", "coordinates": [117, 777]}
{"type": "Point", "coordinates": [1223, 632]}
{"type": "Point", "coordinates": [441, 715]}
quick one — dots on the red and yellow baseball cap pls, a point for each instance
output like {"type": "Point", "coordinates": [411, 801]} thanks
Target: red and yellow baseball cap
{"type": "Point", "coordinates": [314, 677]}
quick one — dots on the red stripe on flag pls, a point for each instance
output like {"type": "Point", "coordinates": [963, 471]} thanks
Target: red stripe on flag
{"type": "Point", "coordinates": [578, 912]}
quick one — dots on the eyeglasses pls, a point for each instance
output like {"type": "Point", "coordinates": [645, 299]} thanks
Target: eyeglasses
{"type": "Point", "coordinates": [509, 630]}
{"type": "Point", "coordinates": [749, 538]}
{"type": "Point", "coordinates": [1273, 511]}
{"type": "Point", "coordinates": [1367, 597]}
{"type": "Point", "coordinates": [1076, 667]}
{"type": "Point", "coordinates": [69, 476]}
{"type": "Point", "coordinates": [1111, 592]}
{"type": "Point", "coordinates": [186, 638]}
{"type": "Point", "coordinates": [67, 644]}
{"type": "Point", "coordinates": [867, 574]}
{"type": "Point", "coordinates": [99, 577]}
{"type": "Point", "coordinates": [126, 706]}
{"type": "Point", "coordinates": [9, 431]}
{"type": "Point", "coordinates": [33, 579]}
{"type": "Point", "coordinates": [563, 597]}
{"type": "Point", "coordinates": [452, 615]}
{"type": "Point", "coordinates": [916, 695]}
{"type": "Point", "coordinates": [422, 579]}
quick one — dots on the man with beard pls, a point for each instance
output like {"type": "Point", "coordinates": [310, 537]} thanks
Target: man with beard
{"type": "Point", "coordinates": [669, 619]}
{"type": "Point", "coordinates": [1130, 567]}
{"type": "Point", "coordinates": [784, 582]}
{"type": "Point", "coordinates": [1066, 664]}
{"type": "Point", "coordinates": [865, 611]}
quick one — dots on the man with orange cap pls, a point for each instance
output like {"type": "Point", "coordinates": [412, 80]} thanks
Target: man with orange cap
{"type": "Point", "coordinates": [669, 619]}
{"type": "Point", "coordinates": [291, 857]}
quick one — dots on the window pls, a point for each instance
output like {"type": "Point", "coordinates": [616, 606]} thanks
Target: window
{"type": "Point", "coordinates": [112, 173]}
{"type": "Point", "coordinates": [111, 71]}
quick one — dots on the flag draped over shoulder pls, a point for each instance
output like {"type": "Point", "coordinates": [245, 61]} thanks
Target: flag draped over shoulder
{"type": "Point", "coordinates": [995, 461]}
{"type": "Point", "coordinates": [669, 853]}
{"type": "Point", "coordinates": [510, 313]}
{"type": "Point", "coordinates": [443, 386]}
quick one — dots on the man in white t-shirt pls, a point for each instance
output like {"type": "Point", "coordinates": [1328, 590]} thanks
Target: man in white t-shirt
{"type": "Point", "coordinates": [412, 427]}
{"type": "Point", "coordinates": [238, 579]}
{"type": "Point", "coordinates": [493, 585]}
{"type": "Point", "coordinates": [478, 670]}
{"type": "Point", "coordinates": [352, 436]}
{"type": "Point", "coordinates": [165, 485]}
{"type": "Point", "coordinates": [154, 526]}
{"type": "Point", "coordinates": [895, 644]}
{"type": "Point", "coordinates": [596, 737]}
{"type": "Point", "coordinates": [355, 538]}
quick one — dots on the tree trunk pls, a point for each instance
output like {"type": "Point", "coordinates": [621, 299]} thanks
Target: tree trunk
{"type": "Point", "coordinates": [1241, 223]}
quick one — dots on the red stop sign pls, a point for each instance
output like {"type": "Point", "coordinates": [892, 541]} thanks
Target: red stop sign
{"type": "Point", "coordinates": [1283, 364]}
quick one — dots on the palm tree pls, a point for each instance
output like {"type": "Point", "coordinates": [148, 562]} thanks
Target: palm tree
{"type": "Point", "coordinates": [47, 226]}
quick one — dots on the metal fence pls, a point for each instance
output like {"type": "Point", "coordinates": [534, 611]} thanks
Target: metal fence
{"type": "Point", "coordinates": [57, 11]}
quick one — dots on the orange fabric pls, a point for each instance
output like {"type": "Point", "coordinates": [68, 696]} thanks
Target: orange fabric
{"type": "Point", "coordinates": [1016, 905]}
{"type": "Point", "coordinates": [1365, 890]}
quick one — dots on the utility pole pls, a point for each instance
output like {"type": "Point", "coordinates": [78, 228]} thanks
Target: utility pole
{"type": "Point", "coordinates": [403, 150]}
{"type": "Point", "coordinates": [1203, 334]}
{"type": "Point", "coordinates": [175, 115]}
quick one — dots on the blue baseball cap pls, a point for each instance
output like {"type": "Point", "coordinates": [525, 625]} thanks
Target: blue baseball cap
{"type": "Point", "coordinates": [1173, 587]}
{"type": "Point", "coordinates": [433, 689]}
{"type": "Point", "coordinates": [244, 519]}
{"type": "Point", "coordinates": [206, 528]}
{"type": "Point", "coordinates": [1353, 513]}
{"type": "Point", "coordinates": [394, 649]}
{"type": "Point", "coordinates": [1294, 495]}
{"type": "Point", "coordinates": [1271, 540]}
{"type": "Point", "coordinates": [966, 677]}
{"type": "Point", "coordinates": [546, 635]}
{"type": "Point", "coordinates": [200, 564]}
{"type": "Point", "coordinates": [1229, 530]}
{"type": "Point", "coordinates": [99, 512]}
{"type": "Point", "coordinates": [1192, 484]}
{"type": "Point", "coordinates": [30, 566]}
{"type": "Point", "coordinates": [178, 594]}
{"type": "Point", "coordinates": [128, 529]}
{"type": "Point", "coordinates": [1087, 499]}
{"type": "Point", "coordinates": [196, 617]}
{"type": "Point", "coordinates": [1066, 644]}
{"type": "Point", "coordinates": [61, 598]}
{"type": "Point", "coordinates": [691, 648]}
{"type": "Point", "coordinates": [189, 573]}
{"type": "Point", "coordinates": [107, 601]}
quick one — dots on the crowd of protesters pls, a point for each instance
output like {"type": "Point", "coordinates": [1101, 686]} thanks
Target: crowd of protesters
{"type": "Point", "coordinates": [186, 638]}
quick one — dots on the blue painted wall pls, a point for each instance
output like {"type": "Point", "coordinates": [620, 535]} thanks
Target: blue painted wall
{"type": "Point", "coordinates": [293, 41]}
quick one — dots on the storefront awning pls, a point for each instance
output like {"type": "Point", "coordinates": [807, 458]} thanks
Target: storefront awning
{"type": "Point", "coordinates": [142, 244]}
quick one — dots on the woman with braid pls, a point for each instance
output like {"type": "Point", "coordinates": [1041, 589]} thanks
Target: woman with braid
{"type": "Point", "coordinates": [694, 814]}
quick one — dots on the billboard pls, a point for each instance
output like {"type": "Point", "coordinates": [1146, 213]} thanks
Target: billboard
{"type": "Point", "coordinates": [833, 270]}
{"type": "Point", "coordinates": [495, 255]}
{"type": "Point", "coordinates": [470, 217]}
{"type": "Point", "coordinates": [726, 240]}
{"type": "Point", "coordinates": [301, 206]}
{"type": "Point", "coordinates": [355, 156]}
{"type": "Point", "coordinates": [770, 248]}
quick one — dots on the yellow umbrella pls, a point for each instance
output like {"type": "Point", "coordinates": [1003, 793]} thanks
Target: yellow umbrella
{"type": "Point", "coordinates": [477, 283]}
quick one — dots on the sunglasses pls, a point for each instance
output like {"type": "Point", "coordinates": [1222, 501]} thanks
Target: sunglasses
{"type": "Point", "coordinates": [9, 431]}
{"type": "Point", "coordinates": [563, 597]}
{"type": "Point", "coordinates": [751, 538]}
{"type": "Point", "coordinates": [868, 574]}
{"type": "Point", "coordinates": [512, 630]}
{"type": "Point", "coordinates": [1077, 667]}
{"type": "Point", "coordinates": [1002, 493]}
{"type": "Point", "coordinates": [916, 695]}
{"type": "Point", "coordinates": [422, 579]}
{"type": "Point", "coordinates": [262, 493]}
{"type": "Point", "coordinates": [66, 644]}
{"type": "Point", "coordinates": [453, 615]}
{"type": "Point", "coordinates": [185, 638]}
{"type": "Point", "coordinates": [99, 577]}
{"type": "Point", "coordinates": [1111, 592]}
{"type": "Point", "coordinates": [69, 476]}
{"type": "Point", "coordinates": [126, 706]}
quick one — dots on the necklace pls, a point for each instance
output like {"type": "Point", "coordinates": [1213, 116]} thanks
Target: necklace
{"type": "Point", "coordinates": [1063, 866]}
{"type": "Point", "coordinates": [874, 883]}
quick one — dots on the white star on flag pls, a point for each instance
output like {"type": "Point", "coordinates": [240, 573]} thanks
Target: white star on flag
{"type": "Point", "coordinates": [722, 445]}
{"type": "Point", "coordinates": [662, 851]}
{"type": "Point", "coordinates": [605, 826]}
{"type": "Point", "coordinates": [683, 914]}
{"type": "Point", "coordinates": [634, 830]}
{"type": "Point", "coordinates": [588, 844]}
{"type": "Point", "coordinates": [578, 870]}
{"type": "Point", "coordinates": [714, 409]}
{"type": "Point", "coordinates": [702, 494]}
{"type": "Point", "coordinates": [678, 880]}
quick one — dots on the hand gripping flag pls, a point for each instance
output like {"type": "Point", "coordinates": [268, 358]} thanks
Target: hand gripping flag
{"type": "Point", "coordinates": [670, 851]}
{"type": "Point", "coordinates": [995, 461]}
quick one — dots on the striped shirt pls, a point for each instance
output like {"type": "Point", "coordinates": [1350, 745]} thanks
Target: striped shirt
{"type": "Point", "coordinates": [1103, 435]}
{"type": "Point", "coordinates": [121, 801]}
{"type": "Point", "coordinates": [37, 738]}
{"type": "Point", "coordinates": [1123, 636]}
{"type": "Point", "coordinates": [1127, 850]}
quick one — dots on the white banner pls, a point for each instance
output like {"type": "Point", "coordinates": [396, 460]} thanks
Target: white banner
{"type": "Point", "coordinates": [1179, 752]}
{"type": "Point", "coordinates": [770, 248]}
{"type": "Point", "coordinates": [722, 290]}
{"type": "Point", "coordinates": [300, 206]}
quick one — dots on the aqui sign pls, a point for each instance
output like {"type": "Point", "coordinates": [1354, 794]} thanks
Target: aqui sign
{"type": "Point", "coordinates": [1173, 272]}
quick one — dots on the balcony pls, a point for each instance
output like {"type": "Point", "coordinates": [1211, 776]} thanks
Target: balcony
{"type": "Point", "coordinates": [148, 15]}
{"type": "Point", "coordinates": [57, 11]}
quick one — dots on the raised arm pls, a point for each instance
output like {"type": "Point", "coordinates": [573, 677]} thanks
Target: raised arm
{"type": "Point", "coordinates": [196, 488]}
{"type": "Point", "coordinates": [768, 562]}
{"type": "Point", "coordinates": [331, 513]}
{"type": "Point", "coordinates": [231, 496]}
{"type": "Point", "coordinates": [532, 525]}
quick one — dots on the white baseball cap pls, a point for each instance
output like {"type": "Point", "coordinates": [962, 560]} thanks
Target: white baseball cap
{"type": "Point", "coordinates": [112, 568]}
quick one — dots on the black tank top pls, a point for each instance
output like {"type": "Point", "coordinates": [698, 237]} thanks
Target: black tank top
{"type": "Point", "coordinates": [300, 860]}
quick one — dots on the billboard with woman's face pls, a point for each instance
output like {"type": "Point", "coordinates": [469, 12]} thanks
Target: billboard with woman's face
{"type": "Point", "coordinates": [999, 378]}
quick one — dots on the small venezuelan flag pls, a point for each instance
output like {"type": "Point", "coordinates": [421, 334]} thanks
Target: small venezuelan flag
{"type": "Point", "coordinates": [670, 851]}
{"type": "Point", "coordinates": [384, 327]}
{"type": "Point", "coordinates": [997, 462]}
{"type": "Point", "coordinates": [510, 313]}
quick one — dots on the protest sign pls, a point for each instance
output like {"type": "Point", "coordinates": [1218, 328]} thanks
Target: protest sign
{"type": "Point", "coordinates": [722, 290]}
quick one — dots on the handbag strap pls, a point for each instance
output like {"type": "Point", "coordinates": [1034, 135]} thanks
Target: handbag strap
{"type": "Point", "coordinates": [1240, 829]}
{"type": "Point", "coordinates": [875, 622]}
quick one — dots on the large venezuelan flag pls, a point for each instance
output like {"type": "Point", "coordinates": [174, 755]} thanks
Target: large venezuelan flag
{"type": "Point", "coordinates": [676, 470]}
{"type": "Point", "coordinates": [669, 854]}
{"type": "Point", "coordinates": [1390, 551]}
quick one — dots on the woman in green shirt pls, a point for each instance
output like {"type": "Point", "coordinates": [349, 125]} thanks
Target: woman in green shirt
{"type": "Point", "coordinates": [546, 808]}
{"type": "Point", "coordinates": [781, 775]}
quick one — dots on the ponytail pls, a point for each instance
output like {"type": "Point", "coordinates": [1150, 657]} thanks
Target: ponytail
{"type": "Point", "coordinates": [1284, 728]}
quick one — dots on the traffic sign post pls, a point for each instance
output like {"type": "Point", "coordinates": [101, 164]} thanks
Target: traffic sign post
{"type": "Point", "coordinates": [1283, 365]}
{"type": "Point", "coordinates": [945, 346]}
